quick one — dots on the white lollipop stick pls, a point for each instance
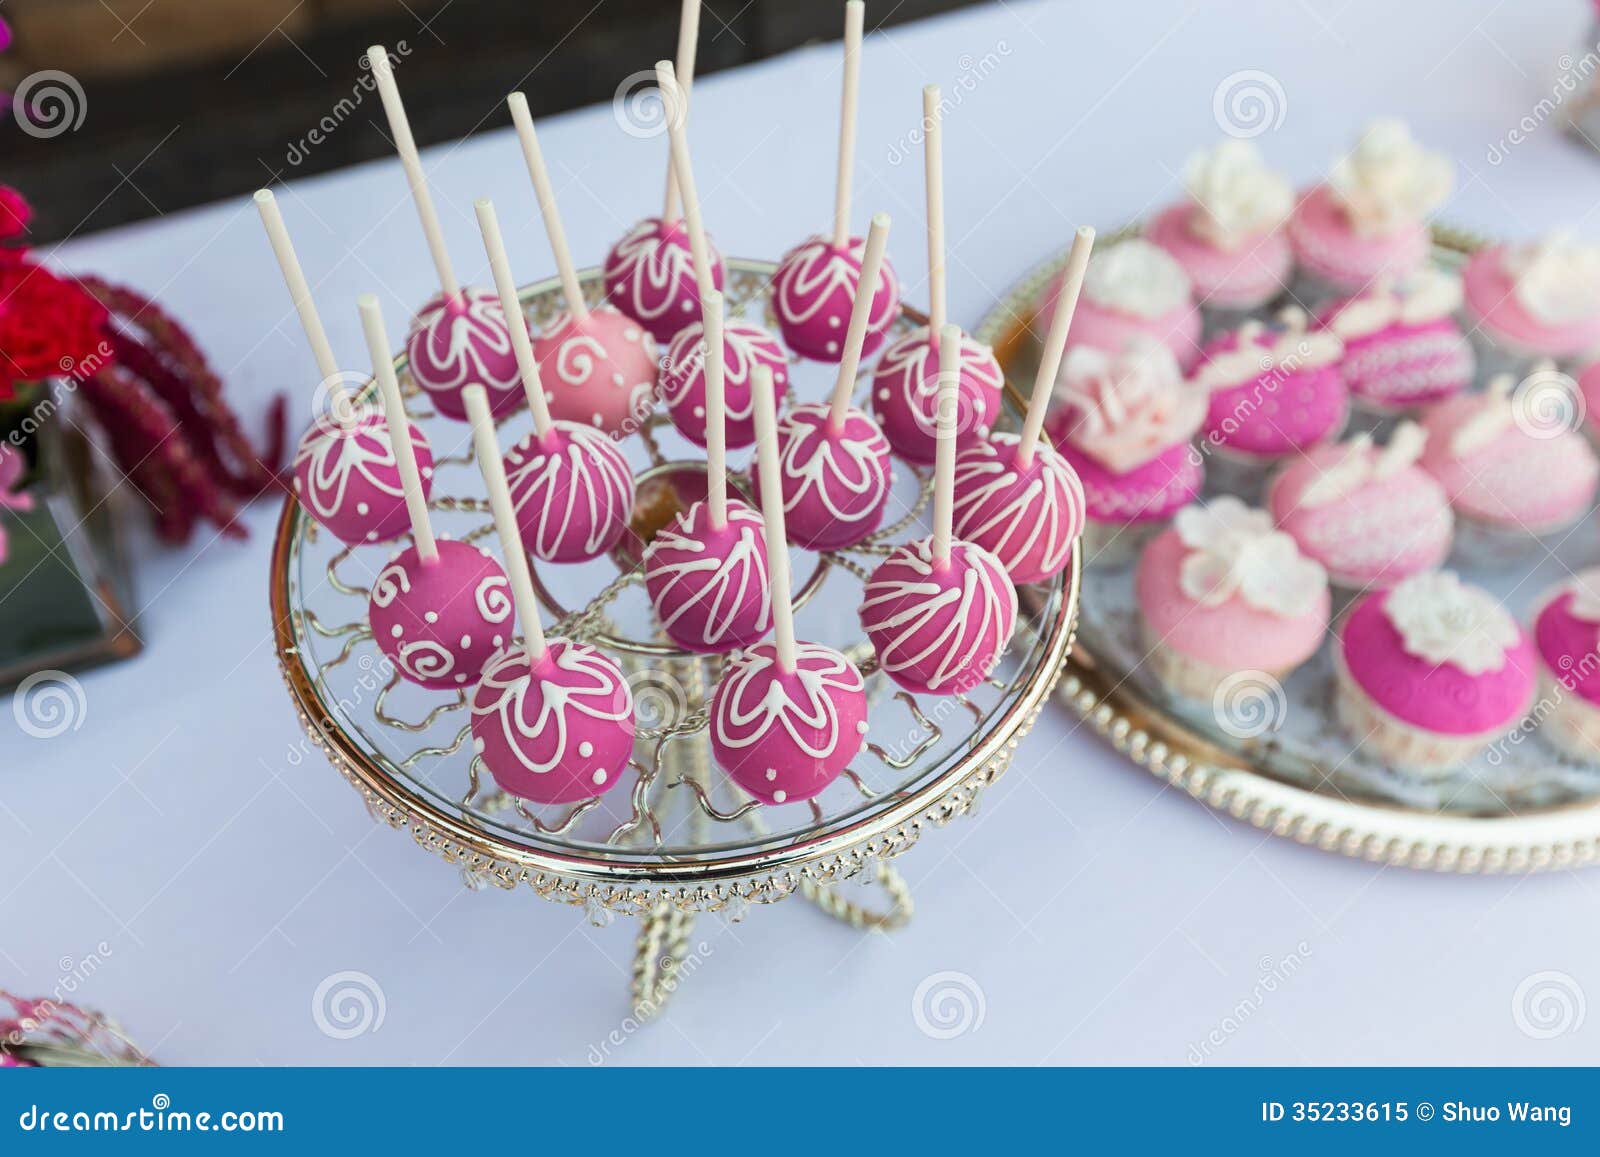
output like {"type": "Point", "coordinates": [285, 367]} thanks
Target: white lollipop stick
{"type": "Point", "coordinates": [716, 413]}
{"type": "Point", "coordinates": [540, 175]}
{"type": "Point", "coordinates": [516, 320]}
{"type": "Point", "coordinates": [295, 279]}
{"type": "Point", "coordinates": [676, 110]}
{"type": "Point", "coordinates": [406, 145]}
{"type": "Point", "coordinates": [944, 463]}
{"type": "Point", "coordinates": [860, 314]}
{"type": "Point", "coordinates": [688, 42]}
{"type": "Point", "coordinates": [772, 514]}
{"type": "Point", "coordinates": [933, 165]}
{"type": "Point", "coordinates": [855, 15]}
{"type": "Point", "coordinates": [505, 519]}
{"type": "Point", "coordinates": [1055, 343]}
{"type": "Point", "coordinates": [394, 412]}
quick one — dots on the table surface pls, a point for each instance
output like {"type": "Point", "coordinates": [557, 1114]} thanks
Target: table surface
{"type": "Point", "coordinates": [183, 860]}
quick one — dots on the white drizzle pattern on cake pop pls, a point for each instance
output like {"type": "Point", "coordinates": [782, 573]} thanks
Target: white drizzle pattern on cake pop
{"type": "Point", "coordinates": [651, 268]}
{"type": "Point", "coordinates": [902, 377]}
{"type": "Point", "coordinates": [831, 466]}
{"type": "Point", "coordinates": [754, 701]}
{"type": "Point", "coordinates": [599, 490]}
{"type": "Point", "coordinates": [744, 345]}
{"type": "Point", "coordinates": [604, 695]}
{"type": "Point", "coordinates": [335, 456]}
{"type": "Point", "coordinates": [1015, 526]}
{"type": "Point", "coordinates": [722, 584]}
{"type": "Point", "coordinates": [463, 335]}
{"type": "Point", "coordinates": [811, 274]}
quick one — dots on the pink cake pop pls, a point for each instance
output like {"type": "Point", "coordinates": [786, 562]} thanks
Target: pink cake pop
{"type": "Point", "coordinates": [833, 459]}
{"type": "Point", "coordinates": [570, 485]}
{"type": "Point", "coordinates": [1017, 497]}
{"type": "Point", "coordinates": [439, 609]}
{"type": "Point", "coordinates": [939, 611]}
{"type": "Point", "coordinates": [707, 570]}
{"type": "Point", "coordinates": [905, 385]}
{"type": "Point", "coordinates": [817, 283]}
{"type": "Point", "coordinates": [786, 717]}
{"type": "Point", "coordinates": [598, 365]}
{"type": "Point", "coordinates": [345, 472]}
{"type": "Point", "coordinates": [650, 274]}
{"type": "Point", "coordinates": [552, 719]}
{"type": "Point", "coordinates": [459, 338]}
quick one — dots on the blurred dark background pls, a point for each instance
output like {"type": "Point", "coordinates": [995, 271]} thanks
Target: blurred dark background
{"type": "Point", "coordinates": [187, 101]}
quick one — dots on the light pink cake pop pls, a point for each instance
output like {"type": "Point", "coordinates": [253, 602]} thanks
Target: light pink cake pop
{"type": "Point", "coordinates": [813, 291]}
{"type": "Point", "coordinates": [459, 341]}
{"type": "Point", "coordinates": [1402, 346]}
{"type": "Point", "coordinates": [1133, 289]}
{"type": "Point", "coordinates": [1273, 392]}
{"type": "Point", "coordinates": [1222, 592]}
{"type": "Point", "coordinates": [1538, 300]}
{"type": "Point", "coordinates": [1430, 672]}
{"type": "Point", "coordinates": [683, 379]}
{"type": "Point", "coordinates": [649, 276]}
{"type": "Point", "coordinates": [1370, 219]}
{"type": "Point", "coordinates": [1369, 515]}
{"type": "Point", "coordinates": [1227, 234]}
{"type": "Point", "coordinates": [346, 476]}
{"type": "Point", "coordinates": [1566, 633]}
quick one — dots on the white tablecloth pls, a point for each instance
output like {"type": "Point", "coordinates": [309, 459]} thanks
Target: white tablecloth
{"type": "Point", "coordinates": [213, 875]}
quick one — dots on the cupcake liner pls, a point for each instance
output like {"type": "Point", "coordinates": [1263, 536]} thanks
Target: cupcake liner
{"type": "Point", "coordinates": [1569, 723]}
{"type": "Point", "coordinates": [1381, 737]}
{"type": "Point", "coordinates": [1496, 546]}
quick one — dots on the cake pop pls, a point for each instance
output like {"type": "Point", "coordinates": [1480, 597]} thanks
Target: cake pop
{"type": "Point", "coordinates": [905, 384]}
{"type": "Point", "coordinates": [598, 365]}
{"type": "Point", "coordinates": [786, 717]}
{"type": "Point", "coordinates": [745, 345]}
{"type": "Point", "coordinates": [833, 459]}
{"type": "Point", "coordinates": [818, 281]}
{"type": "Point", "coordinates": [459, 338]}
{"type": "Point", "coordinates": [439, 609]}
{"type": "Point", "coordinates": [650, 274]}
{"type": "Point", "coordinates": [345, 472]}
{"type": "Point", "coordinates": [570, 485]}
{"type": "Point", "coordinates": [706, 571]}
{"type": "Point", "coordinates": [939, 611]}
{"type": "Point", "coordinates": [1016, 496]}
{"type": "Point", "coordinates": [552, 719]}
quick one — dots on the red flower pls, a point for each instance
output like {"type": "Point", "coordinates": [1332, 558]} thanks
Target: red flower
{"type": "Point", "coordinates": [15, 213]}
{"type": "Point", "coordinates": [48, 327]}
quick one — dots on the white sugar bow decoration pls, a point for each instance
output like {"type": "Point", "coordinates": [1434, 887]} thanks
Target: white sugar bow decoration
{"type": "Point", "coordinates": [1129, 407]}
{"type": "Point", "coordinates": [1234, 550]}
{"type": "Point", "coordinates": [1239, 197]}
{"type": "Point", "coordinates": [1136, 277]}
{"type": "Point", "coordinates": [1556, 279]}
{"type": "Point", "coordinates": [1362, 463]}
{"type": "Point", "coordinates": [1443, 620]}
{"type": "Point", "coordinates": [1388, 181]}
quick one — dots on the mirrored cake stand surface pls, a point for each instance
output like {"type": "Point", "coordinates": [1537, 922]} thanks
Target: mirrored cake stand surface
{"type": "Point", "coordinates": [1525, 808]}
{"type": "Point", "coordinates": [678, 839]}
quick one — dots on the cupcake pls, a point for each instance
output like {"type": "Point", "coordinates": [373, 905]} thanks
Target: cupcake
{"type": "Point", "coordinates": [1227, 234]}
{"type": "Point", "coordinates": [1430, 673]}
{"type": "Point", "coordinates": [1133, 289]}
{"type": "Point", "coordinates": [1402, 346]}
{"type": "Point", "coordinates": [1370, 218]}
{"type": "Point", "coordinates": [1223, 592]}
{"type": "Point", "coordinates": [1566, 635]}
{"type": "Point", "coordinates": [1512, 475]}
{"type": "Point", "coordinates": [1534, 301]}
{"type": "Point", "coordinates": [1272, 393]}
{"type": "Point", "coordinates": [1369, 515]}
{"type": "Point", "coordinates": [1588, 381]}
{"type": "Point", "coordinates": [1124, 424]}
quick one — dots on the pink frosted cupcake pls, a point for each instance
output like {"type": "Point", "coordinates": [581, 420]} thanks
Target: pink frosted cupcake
{"type": "Point", "coordinates": [1512, 475]}
{"type": "Point", "coordinates": [1124, 424]}
{"type": "Point", "coordinates": [1133, 289]}
{"type": "Point", "coordinates": [1370, 218]}
{"type": "Point", "coordinates": [1402, 346]}
{"type": "Point", "coordinates": [1228, 233]}
{"type": "Point", "coordinates": [1589, 398]}
{"type": "Point", "coordinates": [1566, 634]}
{"type": "Point", "coordinates": [1370, 516]}
{"type": "Point", "coordinates": [1534, 301]}
{"type": "Point", "coordinates": [1272, 393]}
{"type": "Point", "coordinates": [1431, 672]}
{"type": "Point", "coordinates": [1223, 592]}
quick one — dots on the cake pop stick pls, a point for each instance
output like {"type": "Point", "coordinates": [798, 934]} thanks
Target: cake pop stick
{"type": "Point", "coordinates": [400, 128]}
{"type": "Point", "coordinates": [854, 21]}
{"type": "Point", "coordinates": [688, 43]}
{"type": "Point", "coordinates": [716, 413]}
{"type": "Point", "coordinates": [505, 284]}
{"type": "Point", "coordinates": [675, 101]}
{"type": "Point", "coordinates": [540, 176]}
{"type": "Point", "coordinates": [394, 408]}
{"type": "Point", "coordinates": [1055, 343]}
{"type": "Point", "coordinates": [299, 292]}
{"type": "Point", "coordinates": [933, 170]}
{"type": "Point", "coordinates": [944, 465]}
{"type": "Point", "coordinates": [860, 313]}
{"type": "Point", "coordinates": [523, 598]}
{"type": "Point", "coordinates": [772, 518]}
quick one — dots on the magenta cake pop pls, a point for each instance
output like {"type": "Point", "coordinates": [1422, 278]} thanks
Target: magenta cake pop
{"type": "Point", "coordinates": [746, 347]}
{"type": "Point", "coordinates": [939, 611]}
{"type": "Point", "coordinates": [833, 459]}
{"type": "Point", "coordinates": [1016, 496]}
{"type": "Point", "coordinates": [787, 717]}
{"type": "Point", "coordinates": [598, 365]}
{"type": "Point", "coordinates": [439, 609]}
{"type": "Point", "coordinates": [706, 571]}
{"type": "Point", "coordinates": [815, 288]}
{"type": "Point", "coordinates": [552, 719]}
{"type": "Point", "coordinates": [905, 386]}
{"type": "Point", "coordinates": [459, 338]}
{"type": "Point", "coordinates": [570, 485]}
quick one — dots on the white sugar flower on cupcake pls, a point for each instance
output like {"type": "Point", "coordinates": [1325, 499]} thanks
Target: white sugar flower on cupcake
{"type": "Point", "coordinates": [1540, 300]}
{"type": "Point", "coordinates": [1133, 289]}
